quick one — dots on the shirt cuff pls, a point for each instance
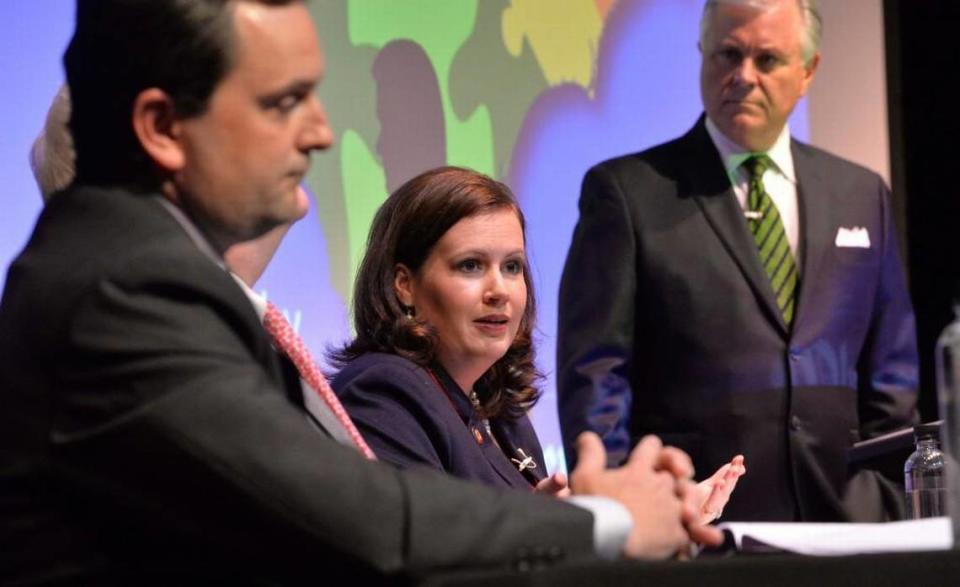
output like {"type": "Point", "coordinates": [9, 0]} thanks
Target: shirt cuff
{"type": "Point", "coordinates": [612, 524]}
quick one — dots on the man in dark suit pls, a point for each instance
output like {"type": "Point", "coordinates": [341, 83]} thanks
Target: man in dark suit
{"type": "Point", "coordinates": [149, 433]}
{"type": "Point", "coordinates": [736, 291]}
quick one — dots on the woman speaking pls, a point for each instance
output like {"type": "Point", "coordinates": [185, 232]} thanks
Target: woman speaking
{"type": "Point", "coordinates": [442, 372]}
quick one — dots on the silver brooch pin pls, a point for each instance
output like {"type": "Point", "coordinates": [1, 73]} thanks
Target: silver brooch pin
{"type": "Point", "coordinates": [524, 462]}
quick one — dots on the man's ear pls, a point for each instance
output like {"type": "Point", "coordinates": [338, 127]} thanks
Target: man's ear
{"type": "Point", "coordinates": [403, 285]}
{"type": "Point", "coordinates": [158, 129]}
{"type": "Point", "coordinates": [809, 69]}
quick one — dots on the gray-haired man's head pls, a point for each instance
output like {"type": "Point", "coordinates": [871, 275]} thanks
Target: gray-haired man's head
{"type": "Point", "coordinates": [759, 58]}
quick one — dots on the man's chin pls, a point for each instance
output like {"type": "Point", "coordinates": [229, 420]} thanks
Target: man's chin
{"type": "Point", "coordinates": [302, 204]}
{"type": "Point", "coordinates": [746, 130]}
{"type": "Point", "coordinates": [288, 208]}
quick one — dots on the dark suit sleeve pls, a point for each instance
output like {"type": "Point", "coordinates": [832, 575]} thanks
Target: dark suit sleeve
{"type": "Point", "coordinates": [887, 372]}
{"type": "Point", "coordinates": [596, 319]}
{"type": "Point", "coordinates": [393, 409]}
{"type": "Point", "coordinates": [163, 413]}
{"type": "Point", "coordinates": [888, 363]}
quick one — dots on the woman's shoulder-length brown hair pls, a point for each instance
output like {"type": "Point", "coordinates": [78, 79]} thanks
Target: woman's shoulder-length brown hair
{"type": "Point", "coordinates": [405, 229]}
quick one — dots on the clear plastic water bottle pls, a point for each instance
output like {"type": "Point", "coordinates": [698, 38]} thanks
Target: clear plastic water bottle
{"type": "Point", "coordinates": [925, 475]}
{"type": "Point", "coordinates": [948, 393]}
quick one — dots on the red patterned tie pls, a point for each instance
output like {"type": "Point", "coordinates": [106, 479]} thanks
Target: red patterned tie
{"type": "Point", "coordinates": [287, 342]}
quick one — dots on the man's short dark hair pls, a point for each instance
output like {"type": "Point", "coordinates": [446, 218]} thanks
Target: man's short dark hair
{"type": "Point", "coordinates": [122, 47]}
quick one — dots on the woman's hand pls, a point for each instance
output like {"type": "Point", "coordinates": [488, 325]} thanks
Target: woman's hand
{"type": "Point", "coordinates": [714, 493]}
{"type": "Point", "coordinates": [555, 485]}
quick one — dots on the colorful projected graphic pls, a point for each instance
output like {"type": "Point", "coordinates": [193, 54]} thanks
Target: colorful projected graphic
{"type": "Point", "coordinates": [532, 92]}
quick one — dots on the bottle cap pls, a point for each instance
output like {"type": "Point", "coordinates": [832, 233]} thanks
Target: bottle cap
{"type": "Point", "coordinates": [928, 430]}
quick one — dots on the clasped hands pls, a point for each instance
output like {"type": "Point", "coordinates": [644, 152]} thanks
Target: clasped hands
{"type": "Point", "coordinates": [670, 512]}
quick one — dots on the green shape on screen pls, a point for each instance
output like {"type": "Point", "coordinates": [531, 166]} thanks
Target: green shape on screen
{"type": "Point", "coordinates": [364, 192]}
{"type": "Point", "coordinates": [441, 27]}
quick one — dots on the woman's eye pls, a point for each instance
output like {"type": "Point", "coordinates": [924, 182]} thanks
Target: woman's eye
{"type": "Point", "coordinates": [513, 267]}
{"type": "Point", "coordinates": [470, 266]}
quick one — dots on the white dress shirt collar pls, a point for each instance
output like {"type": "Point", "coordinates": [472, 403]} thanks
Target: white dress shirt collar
{"type": "Point", "coordinates": [258, 302]}
{"type": "Point", "coordinates": [733, 155]}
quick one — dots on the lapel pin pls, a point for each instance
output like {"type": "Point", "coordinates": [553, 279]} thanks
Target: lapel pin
{"type": "Point", "coordinates": [524, 462]}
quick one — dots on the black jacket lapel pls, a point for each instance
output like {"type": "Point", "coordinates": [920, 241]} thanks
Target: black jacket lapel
{"type": "Point", "coordinates": [497, 460]}
{"type": "Point", "coordinates": [815, 225]}
{"type": "Point", "coordinates": [712, 191]}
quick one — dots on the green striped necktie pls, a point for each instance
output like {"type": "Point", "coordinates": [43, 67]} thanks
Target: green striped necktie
{"type": "Point", "coordinates": [771, 238]}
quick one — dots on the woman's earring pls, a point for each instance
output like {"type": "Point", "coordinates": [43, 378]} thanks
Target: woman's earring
{"type": "Point", "coordinates": [408, 312]}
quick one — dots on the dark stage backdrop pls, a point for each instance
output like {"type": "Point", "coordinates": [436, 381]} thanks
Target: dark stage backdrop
{"type": "Point", "coordinates": [924, 67]}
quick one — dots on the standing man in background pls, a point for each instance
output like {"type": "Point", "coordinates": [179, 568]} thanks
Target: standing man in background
{"type": "Point", "coordinates": [737, 291]}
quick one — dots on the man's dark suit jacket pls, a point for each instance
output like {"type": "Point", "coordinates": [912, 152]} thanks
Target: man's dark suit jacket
{"type": "Point", "coordinates": [668, 324]}
{"type": "Point", "coordinates": [410, 417]}
{"type": "Point", "coordinates": [146, 435]}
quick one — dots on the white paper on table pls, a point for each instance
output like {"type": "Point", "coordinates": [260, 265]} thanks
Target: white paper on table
{"type": "Point", "coordinates": [832, 539]}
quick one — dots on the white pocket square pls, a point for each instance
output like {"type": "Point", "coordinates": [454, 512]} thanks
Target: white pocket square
{"type": "Point", "coordinates": [856, 236]}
